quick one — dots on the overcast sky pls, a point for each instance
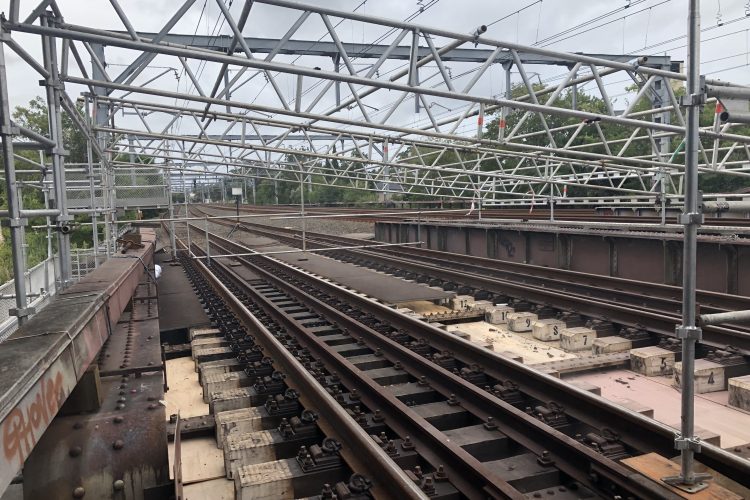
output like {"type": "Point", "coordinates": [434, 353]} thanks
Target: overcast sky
{"type": "Point", "coordinates": [646, 27]}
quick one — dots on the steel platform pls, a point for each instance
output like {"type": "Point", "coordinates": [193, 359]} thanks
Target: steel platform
{"type": "Point", "coordinates": [383, 287]}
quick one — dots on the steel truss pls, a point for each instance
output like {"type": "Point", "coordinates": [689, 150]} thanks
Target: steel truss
{"type": "Point", "coordinates": [406, 115]}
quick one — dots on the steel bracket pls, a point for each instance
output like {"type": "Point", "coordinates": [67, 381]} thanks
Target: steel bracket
{"type": "Point", "coordinates": [21, 312]}
{"type": "Point", "coordinates": [698, 99]}
{"type": "Point", "coordinates": [683, 443]}
{"type": "Point", "coordinates": [689, 332]}
{"type": "Point", "coordinates": [9, 130]}
{"type": "Point", "coordinates": [690, 218]}
{"type": "Point", "coordinates": [17, 222]}
{"type": "Point", "coordinates": [60, 151]}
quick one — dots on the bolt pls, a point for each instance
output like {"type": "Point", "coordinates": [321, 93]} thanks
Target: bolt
{"type": "Point", "coordinates": [75, 451]}
{"type": "Point", "coordinates": [440, 474]}
{"type": "Point", "coordinates": [118, 485]}
{"type": "Point", "coordinates": [407, 444]}
{"type": "Point", "coordinates": [79, 492]}
{"type": "Point", "coordinates": [118, 419]}
{"type": "Point", "coordinates": [118, 445]}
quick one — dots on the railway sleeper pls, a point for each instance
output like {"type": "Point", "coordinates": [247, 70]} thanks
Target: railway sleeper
{"type": "Point", "coordinates": [317, 473]}
{"type": "Point", "coordinates": [447, 414]}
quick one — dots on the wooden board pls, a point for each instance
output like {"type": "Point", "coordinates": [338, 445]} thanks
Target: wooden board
{"type": "Point", "coordinates": [201, 460]}
{"type": "Point", "coordinates": [216, 489]}
{"type": "Point", "coordinates": [655, 467]}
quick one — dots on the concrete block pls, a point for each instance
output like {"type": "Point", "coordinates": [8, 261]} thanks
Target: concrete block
{"type": "Point", "coordinates": [588, 387]}
{"type": "Point", "coordinates": [547, 329]}
{"type": "Point", "coordinates": [232, 399]}
{"type": "Point", "coordinates": [483, 305]}
{"type": "Point", "coordinates": [497, 315]}
{"type": "Point", "coordinates": [608, 345]}
{"type": "Point", "coordinates": [512, 355]}
{"type": "Point", "coordinates": [652, 361]}
{"type": "Point", "coordinates": [248, 449]}
{"type": "Point", "coordinates": [521, 321]}
{"type": "Point", "coordinates": [707, 376]}
{"type": "Point", "coordinates": [463, 335]}
{"type": "Point", "coordinates": [216, 382]}
{"type": "Point", "coordinates": [266, 481]}
{"type": "Point", "coordinates": [237, 421]}
{"type": "Point", "coordinates": [637, 407]}
{"type": "Point", "coordinates": [577, 339]}
{"type": "Point", "coordinates": [739, 392]}
{"type": "Point", "coordinates": [195, 333]}
{"type": "Point", "coordinates": [462, 302]}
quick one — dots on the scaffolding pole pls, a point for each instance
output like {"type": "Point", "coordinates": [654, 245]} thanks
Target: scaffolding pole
{"type": "Point", "coordinates": [15, 221]}
{"type": "Point", "coordinates": [685, 441]}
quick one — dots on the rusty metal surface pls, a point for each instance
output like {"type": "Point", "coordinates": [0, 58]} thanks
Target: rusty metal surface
{"type": "Point", "coordinates": [638, 254]}
{"type": "Point", "coordinates": [43, 360]}
{"type": "Point", "coordinates": [115, 452]}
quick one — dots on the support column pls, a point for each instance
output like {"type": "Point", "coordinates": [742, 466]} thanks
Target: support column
{"type": "Point", "coordinates": [92, 194]}
{"type": "Point", "coordinates": [172, 240]}
{"type": "Point", "coordinates": [101, 114]}
{"type": "Point", "coordinates": [7, 132]}
{"type": "Point", "coordinates": [53, 86]}
{"type": "Point", "coordinates": [691, 218]}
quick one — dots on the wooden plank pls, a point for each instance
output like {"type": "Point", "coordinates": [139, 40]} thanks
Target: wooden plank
{"type": "Point", "coordinates": [655, 467]}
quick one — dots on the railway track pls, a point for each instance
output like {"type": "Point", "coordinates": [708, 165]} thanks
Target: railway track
{"type": "Point", "coordinates": [642, 306]}
{"type": "Point", "coordinates": [480, 424]}
{"type": "Point", "coordinates": [567, 215]}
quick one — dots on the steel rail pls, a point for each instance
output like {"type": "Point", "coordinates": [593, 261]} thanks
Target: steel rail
{"type": "Point", "coordinates": [637, 431]}
{"type": "Point", "coordinates": [572, 457]}
{"type": "Point", "coordinates": [359, 450]}
{"type": "Point", "coordinates": [638, 316]}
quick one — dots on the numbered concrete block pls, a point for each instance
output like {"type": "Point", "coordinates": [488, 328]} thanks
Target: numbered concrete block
{"type": "Point", "coordinates": [461, 302]}
{"type": "Point", "coordinates": [577, 339]}
{"type": "Point", "coordinates": [607, 345]}
{"type": "Point", "coordinates": [498, 315]}
{"type": "Point", "coordinates": [547, 329]}
{"type": "Point", "coordinates": [521, 321]}
{"type": "Point", "coordinates": [739, 392]}
{"type": "Point", "coordinates": [707, 376]}
{"type": "Point", "coordinates": [652, 361]}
